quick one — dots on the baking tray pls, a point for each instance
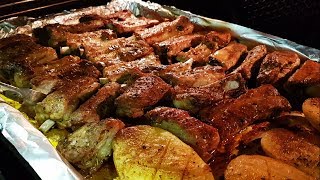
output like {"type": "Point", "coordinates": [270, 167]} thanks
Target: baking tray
{"type": "Point", "coordinates": [34, 146]}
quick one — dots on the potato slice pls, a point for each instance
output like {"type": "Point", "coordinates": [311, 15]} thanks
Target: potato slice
{"type": "Point", "coordinates": [288, 147]}
{"type": "Point", "coordinates": [145, 152]}
{"type": "Point", "coordinates": [311, 109]}
{"type": "Point", "coordinates": [261, 167]}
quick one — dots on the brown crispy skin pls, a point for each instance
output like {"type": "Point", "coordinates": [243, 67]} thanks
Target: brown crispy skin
{"type": "Point", "coordinates": [288, 147]}
{"type": "Point", "coordinates": [146, 91]}
{"type": "Point", "coordinates": [165, 30]}
{"type": "Point", "coordinates": [305, 81]}
{"type": "Point", "coordinates": [231, 118]}
{"type": "Point", "coordinates": [172, 46]}
{"type": "Point", "coordinates": [252, 61]}
{"type": "Point", "coordinates": [195, 98]}
{"type": "Point", "coordinates": [229, 55]}
{"type": "Point", "coordinates": [55, 74]}
{"type": "Point", "coordinates": [277, 66]}
{"type": "Point", "coordinates": [201, 137]}
{"type": "Point", "coordinates": [220, 38]}
{"type": "Point", "coordinates": [183, 74]}
{"type": "Point", "coordinates": [96, 107]}
{"type": "Point", "coordinates": [90, 145]}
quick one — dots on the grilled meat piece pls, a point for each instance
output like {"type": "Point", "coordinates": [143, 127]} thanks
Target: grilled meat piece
{"type": "Point", "coordinates": [195, 98]}
{"type": "Point", "coordinates": [145, 92]}
{"type": "Point", "coordinates": [182, 74]}
{"type": "Point", "coordinates": [201, 137]}
{"type": "Point", "coordinates": [261, 167]}
{"type": "Point", "coordinates": [215, 38]}
{"type": "Point", "coordinates": [51, 76]}
{"type": "Point", "coordinates": [288, 147]}
{"type": "Point", "coordinates": [19, 54]}
{"type": "Point", "coordinates": [306, 80]}
{"type": "Point", "coordinates": [96, 107]}
{"type": "Point", "coordinates": [122, 22]}
{"type": "Point", "coordinates": [58, 105]}
{"type": "Point", "coordinates": [200, 54]}
{"type": "Point", "coordinates": [172, 46]}
{"type": "Point", "coordinates": [59, 33]}
{"type": "Point", "coordinates": [145, 152]}
{"type": "Point", "coordinates": [229, 56]}
{"type": "Point", "coordinates": [132, 24]}
{"type": "Point", "coordinates": [252, 61]}
{"type": "Point", "coordinates": [118, 50]}
{"type": "Point", "coordinates": [165, 30]}
{"type": "Point", "coordinates": [119, 72]}
{"type": "Point", "coordinates": [230, 118]}
{"type": "Point", "coordinates": [277, 66]}
{"type": "Point", "coordinates": [89, 146]}
{"type": "Point", "coordinates": [88, 39]}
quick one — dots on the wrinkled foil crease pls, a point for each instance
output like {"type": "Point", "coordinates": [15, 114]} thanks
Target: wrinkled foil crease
{"type": "Point", "coordinates": [34, 146]}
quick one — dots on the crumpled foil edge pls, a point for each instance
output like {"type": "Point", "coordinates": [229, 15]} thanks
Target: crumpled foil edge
{"type": "Point", "coordinates": [33, 146]}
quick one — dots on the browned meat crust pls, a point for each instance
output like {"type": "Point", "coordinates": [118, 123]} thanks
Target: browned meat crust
{"type": "Point", "coordinates": [165, 30]}
{"type": "Point", "coordinates": [195, 98]}
{"type": "Point", "coordinates": [202, 137]}
{"type": "Point", "coordinates": [231, 118]}
{"type": "Point", "coordinates": [229, 56]}
{"type": "Point", "coordinates": [277, 66]}
{"type": "Point", "coordinates": [252, 61]}
{"type": "Point", "coordinates": [145, 92]}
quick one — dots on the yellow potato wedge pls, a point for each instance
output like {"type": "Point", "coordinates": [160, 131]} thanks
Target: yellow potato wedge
{"type": "Point", "coordinates": [311, 109]}
{"type": "Point", "coordinates": [253, 167]}
{"type": "Point", "coordinates": [288, 147]}
{"type": "Point", "coordinates": [145, 152]}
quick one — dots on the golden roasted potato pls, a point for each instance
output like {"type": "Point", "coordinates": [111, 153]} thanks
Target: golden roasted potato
{"type": "Point", "coordinates": [261, 167]}
{"type": "Point", "coordinates": [288, 147]}
{"type": "Point", "coordinates": [311, 109]}
{"type": "Point", "coordinates": [145, 152]}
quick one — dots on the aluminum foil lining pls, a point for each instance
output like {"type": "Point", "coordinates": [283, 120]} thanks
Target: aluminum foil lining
{"type": "Point", "coordinates": [34, 146]}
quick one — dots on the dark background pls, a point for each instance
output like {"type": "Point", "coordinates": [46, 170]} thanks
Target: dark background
{"type": "Point", "coordinates": [296, 20]}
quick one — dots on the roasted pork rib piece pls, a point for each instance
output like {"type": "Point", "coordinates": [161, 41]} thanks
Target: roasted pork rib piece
{"type": "Point", "coordinates": [203, 138]}
{"type": "Point", "coordinates": [123, 71]}
{"type": "Point", "coordinates": [57, 34]}
{"type": "Point", "coordinates": [182, 74]}
{"type": "Point", "coordinates": [277, 66]}
{"type": "Point", "coordinates": [230, 118]}
{"type": "Point", "coordinates": [89, 146]}
{"type": "Point", "coordinates": [118, 50]}
{"type": "Point", "coordinates": [229, 56]}
{"type": "Point", "coordinates": [199, 54]}
{"type": "Point", "coordinates": [165, 30]}
{"type": "Point", "coordinates": [19, 54]}
{"type": "Point", "coordinates": [97, 107]}
{"type": "Point", "coordinates": [59, 104]}
{"type": "Point", "coordinates": [306, 80]}
{"type": "Point", "coordinates": [195, 98]}
{"type": "Point", "coordinates": [252, 61]}
{"type": "Point", "coordinates": [47, 78]}
{"type": "Point", "coordinates": [122, 22]}
{"type": "Point", "coordinates": [172, 46]}
{"type": "Point", "coordinates": [145, 92]}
